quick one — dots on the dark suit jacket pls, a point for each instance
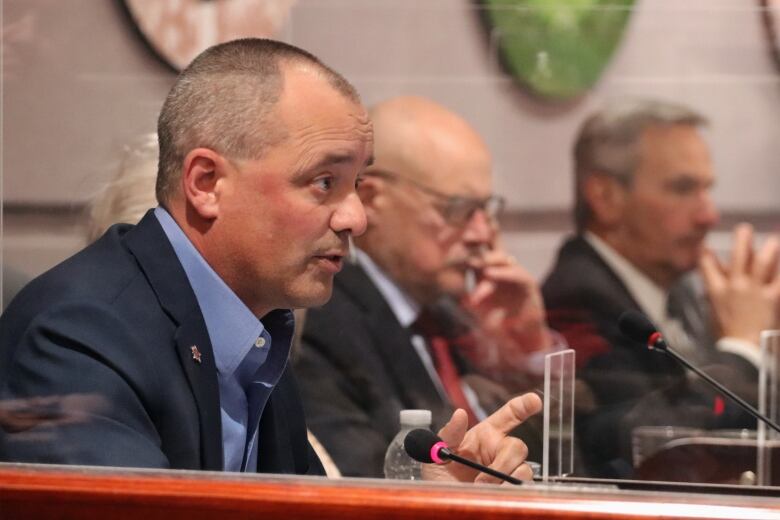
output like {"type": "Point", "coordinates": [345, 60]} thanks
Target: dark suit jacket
{"type": "Point", "coordinates": [631, 385]}
{"type": "Point", "coordinates": [96, 367]}
{"type": "Point", "coordinates": [358, 369]}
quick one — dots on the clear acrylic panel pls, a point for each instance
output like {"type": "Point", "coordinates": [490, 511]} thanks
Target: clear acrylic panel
{"type": "Point", "coordinates": [768, 404]}
{"type": "Point", "coordinates": [558, 433]}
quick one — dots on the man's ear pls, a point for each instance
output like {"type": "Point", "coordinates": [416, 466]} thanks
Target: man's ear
{"type": "Point", "coordinates": [204, 169]}
{"type": "Point", "coordinates": [369, 190]}
{"type": "Point", "coordinates": [606, 197]}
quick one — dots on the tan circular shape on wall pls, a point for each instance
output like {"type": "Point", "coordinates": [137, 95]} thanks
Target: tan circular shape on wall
{"type": "Point", "coordinates": [770, 16]}
{"type": "Point", "coordinates": [179, 30]}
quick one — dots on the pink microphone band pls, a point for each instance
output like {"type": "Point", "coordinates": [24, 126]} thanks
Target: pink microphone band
{"type": "Point", "coordinates": [435, 452]}
{"type": "Point", "coordinates": [654, 337]}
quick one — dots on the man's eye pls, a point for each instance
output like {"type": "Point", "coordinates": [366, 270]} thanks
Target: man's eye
{"type": "Point", "coordinates": [683, 187]}
{"type": "Point", "coordinates": [324, 183]}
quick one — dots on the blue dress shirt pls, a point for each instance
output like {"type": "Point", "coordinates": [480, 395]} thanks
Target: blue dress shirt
{"type": "Point", "coordinates": [250, 355]}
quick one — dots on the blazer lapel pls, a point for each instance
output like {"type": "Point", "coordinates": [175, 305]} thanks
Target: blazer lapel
{"type": "Point", "coordinates": [620, 301]}
{"type": "Point", "coordinates": [196, 356]}
{"type": "Point", "coordinates": [276, 453]}
{"type": "Point", "coordinates": [601, 270]}
{"type": "Point", "coordinates": [149, 244]}
{"type": "Point", "coordinates": [394, 346]}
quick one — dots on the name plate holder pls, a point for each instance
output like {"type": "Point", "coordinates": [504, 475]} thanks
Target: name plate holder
{"type": "Point", "coordinates": [558, 429]}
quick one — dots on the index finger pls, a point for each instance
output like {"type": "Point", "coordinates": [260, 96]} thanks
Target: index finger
{"type": "Point", "coordinates": [712, 272]}
{"type": "Point", "coordinates": [497, 257]}
{"type": "Point", "coordinates": [515, 412]}
{"type": "Point", "coordinates": [742, 252]}
{"type": "Point", "coordinates": [766, 262]}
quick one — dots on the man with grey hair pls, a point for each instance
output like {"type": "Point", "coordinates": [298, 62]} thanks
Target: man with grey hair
{"type": "Point", "coordinates": [643, 210]}
{"type": "Point", "coordinates": [166, 344]}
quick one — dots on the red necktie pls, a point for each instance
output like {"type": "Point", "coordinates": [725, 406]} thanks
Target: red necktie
{"type": "Point", "coordinates": [448, 374]}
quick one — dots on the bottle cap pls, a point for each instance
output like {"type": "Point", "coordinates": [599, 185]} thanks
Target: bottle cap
{"type": "Point", "coordinates": [416, 418]}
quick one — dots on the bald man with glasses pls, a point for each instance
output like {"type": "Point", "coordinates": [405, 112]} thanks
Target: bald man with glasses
{"type": "Point", "coordinates": [430, 300]}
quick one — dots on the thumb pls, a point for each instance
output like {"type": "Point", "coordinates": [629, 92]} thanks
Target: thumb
{"type": "Point", "coordinates": [453, 432]}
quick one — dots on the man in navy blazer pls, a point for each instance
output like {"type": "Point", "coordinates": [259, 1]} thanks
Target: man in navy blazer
{"type": "Point", "coordinates": [166, 344]}
{"type": "Point", "coordinates": [114, 368]}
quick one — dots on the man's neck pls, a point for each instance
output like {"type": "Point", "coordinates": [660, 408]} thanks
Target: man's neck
{"type": "Point", "coordinates": [403, 305]}
{"type": "Point", "coordinates": [392, 265]}
{"type": "Point", "coordinates": [195, 229]}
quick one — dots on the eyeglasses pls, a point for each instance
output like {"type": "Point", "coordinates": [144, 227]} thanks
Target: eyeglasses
{"type": "Point", "coordinates": [457, 210]}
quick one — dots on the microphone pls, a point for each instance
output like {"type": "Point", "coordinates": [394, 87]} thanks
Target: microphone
{"type": "Point", "coordinates": [426, 447]}
{"type": "Point", "coordinates": [638, 327]}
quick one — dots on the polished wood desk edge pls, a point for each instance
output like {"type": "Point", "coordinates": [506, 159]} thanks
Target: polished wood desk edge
{"type": "Point", "coordinates": [46, 492]}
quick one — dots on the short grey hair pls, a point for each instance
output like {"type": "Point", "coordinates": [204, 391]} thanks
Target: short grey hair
{"type": "Point", "coordinates": [607, 142]}
{"type": "Point", "coordinates": [223, 101]}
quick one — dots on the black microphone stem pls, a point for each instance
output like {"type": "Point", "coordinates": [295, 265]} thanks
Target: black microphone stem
{"type": "Point", "coordinates": [752, 411]}
{"type": "Point", "coordinates": [484, 469]}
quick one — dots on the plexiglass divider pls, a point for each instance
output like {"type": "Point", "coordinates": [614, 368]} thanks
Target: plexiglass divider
{"type": "Point", "coordinates": [558, 432]}
{"type": "Point", "coordinates": [768, 403]}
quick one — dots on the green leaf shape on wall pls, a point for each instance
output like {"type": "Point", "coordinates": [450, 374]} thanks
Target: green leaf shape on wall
{"type": "Point", "coordinates": [557, 48]}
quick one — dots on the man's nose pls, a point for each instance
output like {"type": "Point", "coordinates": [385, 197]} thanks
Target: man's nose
{"type": "Point", "coordinates": [480, 228]}
{"type": "Point", "coordinates": [707, 214]}
{"type": "Point", "coordinates": [350, 215]}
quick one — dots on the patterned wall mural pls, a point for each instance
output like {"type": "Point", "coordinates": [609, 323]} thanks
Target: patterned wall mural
{"type": "Point", "coordinates": [178, 30]}
{"type": "Point", "coordinates": [558, 50]}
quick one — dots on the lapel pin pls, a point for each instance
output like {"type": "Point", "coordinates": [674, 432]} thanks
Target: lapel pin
{"type": "Point", "coordinates": [195, 354]}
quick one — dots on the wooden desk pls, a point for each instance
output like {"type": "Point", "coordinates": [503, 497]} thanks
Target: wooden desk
{"type": "Point", "coordinates": [29, 491]}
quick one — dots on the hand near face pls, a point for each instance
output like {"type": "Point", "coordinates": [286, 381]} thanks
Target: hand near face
{"type": "Point", "coordinates": [487, 443]}
{"type": "Point", "coordinates": [507, 302]}
{"type": "Point", "coordinates": [745, 295]}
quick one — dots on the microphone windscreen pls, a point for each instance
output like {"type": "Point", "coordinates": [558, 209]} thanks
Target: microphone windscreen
{"type": "Point", "coordinates": [636, 326]}
{"type": "Point", "coordinates": [418, 444]}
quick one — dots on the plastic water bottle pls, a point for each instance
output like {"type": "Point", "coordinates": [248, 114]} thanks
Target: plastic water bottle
{"type": "Point", "coordinates": [399, 465]}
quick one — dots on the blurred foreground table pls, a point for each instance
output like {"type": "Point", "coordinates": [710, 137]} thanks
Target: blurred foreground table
{"type": "Point", "coordinates": [32, 491]}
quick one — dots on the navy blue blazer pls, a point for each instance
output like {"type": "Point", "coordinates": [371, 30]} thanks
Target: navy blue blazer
{"type": "Point", "coordinates": [97, 367]}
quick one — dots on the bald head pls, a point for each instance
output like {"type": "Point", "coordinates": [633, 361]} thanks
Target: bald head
{"type": "Point", "coordinates": [413, 134]}
{"type": "Point", "coordinates": [428, 162]}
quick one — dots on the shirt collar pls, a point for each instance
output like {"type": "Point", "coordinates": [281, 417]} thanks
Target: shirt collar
{"type": "Point", "coordinates": [649, 295]}
{"type": "Point", "coordinates": [232, 327]}
{"type": "Point", "coordinates": [403, 306]}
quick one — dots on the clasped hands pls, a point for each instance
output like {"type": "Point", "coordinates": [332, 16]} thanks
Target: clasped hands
{"type": "Point", "coordinates": [745, 292]}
